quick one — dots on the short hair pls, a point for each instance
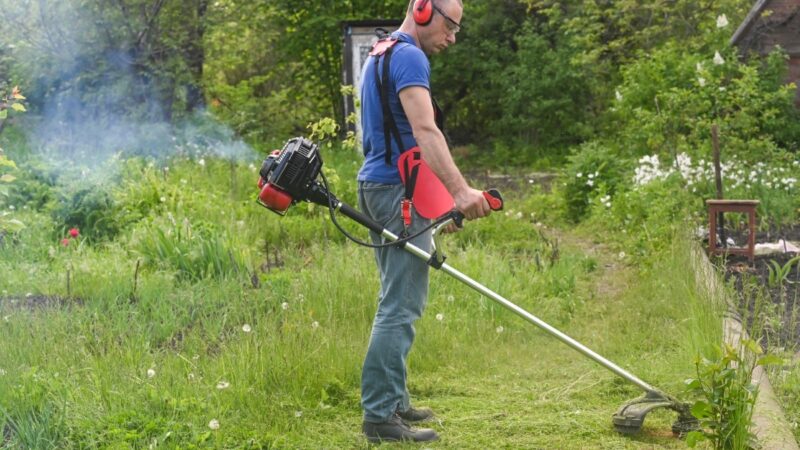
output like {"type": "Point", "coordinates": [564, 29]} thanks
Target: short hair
{"type": "Point", "coordinates": [411, 4]}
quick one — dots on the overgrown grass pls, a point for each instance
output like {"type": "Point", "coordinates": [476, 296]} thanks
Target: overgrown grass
{"type": "Point", "coordinates": [271, 347]}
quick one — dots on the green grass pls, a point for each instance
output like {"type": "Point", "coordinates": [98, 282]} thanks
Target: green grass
{"type": "Point", "coordinates": [75, 373]}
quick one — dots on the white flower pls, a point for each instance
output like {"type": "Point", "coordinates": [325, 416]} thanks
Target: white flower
{"type": "Point", "coordinates": [450, 298]}
{"type": "Point", "coordinates": [440, 317]}
{"type": "Point", "coordinates": [618, 95]}
{"type": "Point", "coordinates": [701, 81]}
{"type": "Point", "coordinates": [29, 295]}
{"type": "Point", "coordinates": [621, 255]}
{"type": "Point", "coordinates": [591, 175]}
{"type": "Point", "coordinates": [518, 215]}
{"type": "Point", "coordinates": [2, 372]}
{"type": "Point", "coordinates": [190, 376]}
{"type": "Point", "coordinates": [202, 162]}
{"type": "Point", "coordinates": [499, 329]}
{"type": "Point", "coordinates": [580, 174]}
{"type": "Point", "coordinates": [213, 424]}
{"type": "Point", "coordinates": [315, 324]}
{"type": "Point", "coordinates": [252, 167]}
{"type": "Point", "coordinates": [223, 385]}
{"type": "Point", "coordinates": [163, 199]}
{"type": "Point", "coordinates": [590, 183]}
{"type": "Point", "coordinates": [11, 207]}
{"type": "Point", "coordinates": [699, 67]}
{"type": "Point", "coordinates": [530, 181]}
{"type": "Point", "coordinates": [722, 21]}
{"type": "Point", "coordinates": [151, 373]}
{"type": "Point", "coordinates": [298, 413]}
{"type": "Point", "coordinates": [285, 305]}
{"type": "Point", "coordinates": [246, 328]}
{"type": "Point", "coordinates": [718, 59]}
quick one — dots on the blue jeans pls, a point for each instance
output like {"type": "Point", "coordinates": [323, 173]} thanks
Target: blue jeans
{"type": "Point", "coordinates": [402, 298]}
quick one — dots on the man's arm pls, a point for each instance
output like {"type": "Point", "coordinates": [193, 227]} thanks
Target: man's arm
{"type": "Point", "coordinates": [417, 105]}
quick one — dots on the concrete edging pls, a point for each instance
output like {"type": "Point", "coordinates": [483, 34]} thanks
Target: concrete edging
{"type": "Point", "coordinates": [769, 421]}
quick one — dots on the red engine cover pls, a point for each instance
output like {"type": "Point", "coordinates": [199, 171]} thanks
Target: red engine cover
{"type": "Point", "coordinates": [275, 198]}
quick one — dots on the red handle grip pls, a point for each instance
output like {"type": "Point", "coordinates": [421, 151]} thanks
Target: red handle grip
{"type": "Point", "coordinates": [494, 198]}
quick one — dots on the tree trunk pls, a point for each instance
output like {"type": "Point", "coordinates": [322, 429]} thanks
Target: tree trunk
{"type": "Point", "coordinates": [195, 58]}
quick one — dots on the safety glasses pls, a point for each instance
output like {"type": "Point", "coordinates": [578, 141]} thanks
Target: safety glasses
{"type": "Point", "coordinates": [452, 25]}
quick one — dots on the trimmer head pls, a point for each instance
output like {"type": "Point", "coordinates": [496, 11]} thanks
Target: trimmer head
{"type": "Point", "coordinates": [629, 418]}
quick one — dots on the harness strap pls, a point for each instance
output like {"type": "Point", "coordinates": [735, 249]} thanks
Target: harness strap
{"type": "Point", "coordinates": [390, 129]}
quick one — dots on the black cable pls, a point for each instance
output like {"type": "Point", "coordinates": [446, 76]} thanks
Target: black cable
{"type": "Point", "coordinates": [332, 210]}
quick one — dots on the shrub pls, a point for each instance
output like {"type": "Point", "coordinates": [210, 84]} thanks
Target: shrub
{"type": "Point", "coordinates": [593, 168]}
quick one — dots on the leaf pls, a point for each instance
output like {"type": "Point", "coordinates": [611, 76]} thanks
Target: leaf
{"type": "Point", "coordinates": [701, 409]}
{"type": "Point", "coordinates": [770, 360]}
{"type": "Point", "coordinates": [12, 225]}
{"type": "Point", "coordinates": [3, 113]}
{"type": "Point", "coordinates": [694, 437]}
{"type": "Point", "coordinates": [18, 107]}
{"type": "Point", "coordinates": [692, 383]}
{"type": "Point", "coordinates": [7, 178]}
{"type": "Point", "coordinates": [752, 346]}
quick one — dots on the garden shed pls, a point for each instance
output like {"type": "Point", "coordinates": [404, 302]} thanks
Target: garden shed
{"type": "Point", "coordinates": [770, 23]}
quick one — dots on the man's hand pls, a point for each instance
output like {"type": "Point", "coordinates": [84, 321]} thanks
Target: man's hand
{"type": "Point", "coordinates": [472, 203]}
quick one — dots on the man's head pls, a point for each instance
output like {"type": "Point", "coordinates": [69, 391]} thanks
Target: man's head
{"type": "Point", "coordinates": [436, 23]}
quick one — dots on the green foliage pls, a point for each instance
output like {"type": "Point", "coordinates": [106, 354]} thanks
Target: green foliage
{"type": "Point", "coordinates": [728, 396]}
{"type": "Point", "coordinates": [134, 57]}
{"type": "Point", "coordinates": [594, 169]}
{"type": "Point", "coordinates": [778, 275]}
{"type": "Point", "coordinates": [193, 252]}
{"type": "Point", "coordinates": [13, 101]}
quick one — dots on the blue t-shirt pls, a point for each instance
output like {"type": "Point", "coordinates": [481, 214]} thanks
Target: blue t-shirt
{"type": "Point", "coordinates": [408, 67]}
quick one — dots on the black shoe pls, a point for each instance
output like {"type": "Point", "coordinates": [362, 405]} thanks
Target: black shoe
{"type": "Point", "coordinates": [395, 429]}
{"type": "Point", "coordinates": [416, 414]}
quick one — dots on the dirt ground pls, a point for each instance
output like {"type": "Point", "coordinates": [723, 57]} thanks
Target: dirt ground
{"type": "Point", "coordinates": [757, 282]}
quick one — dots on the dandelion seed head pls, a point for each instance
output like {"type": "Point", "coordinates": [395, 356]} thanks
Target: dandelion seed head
{"type": "Point", "coordinates": [213, 424]}
{"type": "Point", "coordinates": [285, 306]}
{"type": "Point", "coordinates": [223, 385]}
{"type": "Point", "coordinates": [722, 21]}
{"type": "Point", "coordinates": [314, 325]}
{"type": "Point", "coordinates": [440, 317]}
{"type": "Point", "coordinates": [151, 373]}
{"type": "Point", "coordinates": [499, 329]}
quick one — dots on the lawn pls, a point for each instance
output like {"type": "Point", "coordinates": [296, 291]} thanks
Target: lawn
{"type": "Point", "coordinates": [204, 320]}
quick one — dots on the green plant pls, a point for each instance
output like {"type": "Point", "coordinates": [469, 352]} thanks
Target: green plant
{"type": "Point", "coordinates": [727, 396]}
{"type": "Point", "coordinates": [593, 168]}
{"type": "Point", "coordinates": [13, 101]}
{"type": "Point", "coordinates": [778, 275]}
{"type": "Point", "coordinates": [194, 252]}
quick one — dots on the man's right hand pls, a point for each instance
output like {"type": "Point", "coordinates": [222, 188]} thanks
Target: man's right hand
{"type": "Point", "coordinates": [472, 204]}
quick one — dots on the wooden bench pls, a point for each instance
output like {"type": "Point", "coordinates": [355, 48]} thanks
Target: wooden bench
{"type": "Point", "coordinates": [716, 207]}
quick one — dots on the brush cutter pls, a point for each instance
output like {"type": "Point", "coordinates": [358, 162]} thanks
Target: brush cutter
{"type": "Point", "coordinates": [289, 176]}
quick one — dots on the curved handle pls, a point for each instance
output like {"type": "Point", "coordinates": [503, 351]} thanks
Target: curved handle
{"type": "Point", "coordinates": [492, 196]}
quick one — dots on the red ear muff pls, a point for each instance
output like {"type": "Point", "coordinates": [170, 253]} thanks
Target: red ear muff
{"type": "Point", "coordinates": [423, 12]}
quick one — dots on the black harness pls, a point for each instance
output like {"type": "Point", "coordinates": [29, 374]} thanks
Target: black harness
{"type": "Point", "coordinates": [383, 48]}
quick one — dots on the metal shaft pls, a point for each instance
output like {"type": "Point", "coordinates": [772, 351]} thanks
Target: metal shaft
{"type": "Point", "coordinates": [526, 315]}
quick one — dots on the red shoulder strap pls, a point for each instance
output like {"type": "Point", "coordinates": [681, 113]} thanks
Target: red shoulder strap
{"type": "Point", "coordinates": [380, 47]}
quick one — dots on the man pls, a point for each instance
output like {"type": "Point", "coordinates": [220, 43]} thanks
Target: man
{"type": "Point", "coordinates": [430, 26]}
